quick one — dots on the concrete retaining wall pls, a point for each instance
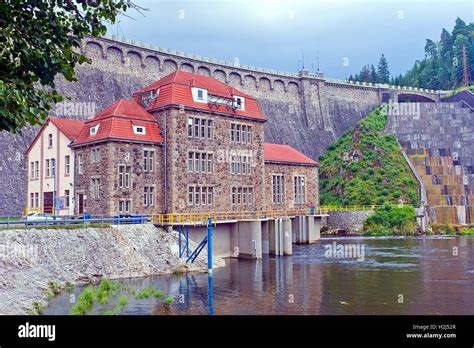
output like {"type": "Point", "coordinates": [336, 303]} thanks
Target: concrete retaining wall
{"type": "Point", "coordinates": [350, 221]}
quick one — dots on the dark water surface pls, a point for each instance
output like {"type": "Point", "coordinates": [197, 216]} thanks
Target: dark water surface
{"type": "Point", "coordinates": [396, 276]}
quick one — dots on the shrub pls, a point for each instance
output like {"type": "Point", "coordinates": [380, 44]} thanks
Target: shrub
{"type": "Point", "coordinates": [391, 219]}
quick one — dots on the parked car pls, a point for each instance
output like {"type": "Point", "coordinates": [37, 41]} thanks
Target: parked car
{"type": "Point", "coordinates": [40, 217]}
{"type": "Point", "coordinates": [129, 219]}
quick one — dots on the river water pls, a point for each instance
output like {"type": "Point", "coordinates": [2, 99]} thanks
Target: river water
{"type": "Point", "coordinates": [433, 275]}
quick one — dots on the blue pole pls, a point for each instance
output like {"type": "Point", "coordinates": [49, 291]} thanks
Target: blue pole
{"type": "Point", "coordinates": [187, 241]}
{"type": "Point", "coordinates": [209, 246]}
{"type": "Point", "coordinates": [179, 232]}
{"type": "Point", "coordinates": [210, 304]}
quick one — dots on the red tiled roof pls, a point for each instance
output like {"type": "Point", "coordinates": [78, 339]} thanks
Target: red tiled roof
{"type": "Point", "coordinates": [70, 128]}
{"type": "Point", "coordinates": [124, 107]}
{"type": "Point", "coordinates": [175, 88]}
{"type": "Point", "coordinates": [286, 154]}
{"type": "Point", "coordinates": [117, 121]}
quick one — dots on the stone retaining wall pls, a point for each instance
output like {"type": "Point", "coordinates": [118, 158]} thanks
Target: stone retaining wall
{"type": "Point", "coordinates": [350, 221]}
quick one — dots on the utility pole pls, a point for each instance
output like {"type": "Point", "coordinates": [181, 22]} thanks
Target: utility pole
{"type": "Point", "coordinates": [465, 75]}
{"type": "Point", "coordinates": [302, 58]}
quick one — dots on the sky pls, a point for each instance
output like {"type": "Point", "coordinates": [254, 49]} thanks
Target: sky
{"type": "Point", "coordinates": [275, 34]}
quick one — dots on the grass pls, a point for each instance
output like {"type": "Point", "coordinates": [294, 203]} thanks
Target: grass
{"type": "Point", "coordinates": [149, 292]}
{"type": "Point", "coordinates": [37, 308]}
{"type": "Point", "coordinates": [91, 294]}
{"type": "Point", "coordinates": [460, 89]}
{"type": "Point", "coordinates": [365, 167]}
{"type": "Point", "coordinates": [10, 218]}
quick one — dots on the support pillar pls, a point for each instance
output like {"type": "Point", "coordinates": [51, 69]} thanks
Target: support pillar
{"type": "Point", "coordinates": [286, 237]}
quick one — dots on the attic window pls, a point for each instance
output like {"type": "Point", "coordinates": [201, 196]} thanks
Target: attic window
{"type": "Point", "coordinates": [139, 129]}
{"type": "Point", "coordinates": [94, 130]}
{"type": "Point", "coordinates": [200, 94]}
{"type": "Point", "coordinates": [239, 103]}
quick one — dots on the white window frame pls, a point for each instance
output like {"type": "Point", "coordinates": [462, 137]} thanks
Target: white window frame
{"type": "Point", "coordinates": [93, 130]}
{"type": "Point", "coordinates": [67, 165]}
{"type": "Point", "coordinates": [240, 106]}
{"type": "Point", "coordinates": [136, 130]}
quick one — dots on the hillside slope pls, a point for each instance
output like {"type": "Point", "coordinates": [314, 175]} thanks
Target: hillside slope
{"type": "Point", "coordinates": [366, 167]}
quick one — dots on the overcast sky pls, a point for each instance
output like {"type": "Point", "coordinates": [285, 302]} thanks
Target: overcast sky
{"type": "Point", "coordinates": [272, 33]}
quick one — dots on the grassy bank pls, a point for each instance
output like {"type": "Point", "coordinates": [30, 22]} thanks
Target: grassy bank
{"type": "Point", "coordinates": [366, 167]}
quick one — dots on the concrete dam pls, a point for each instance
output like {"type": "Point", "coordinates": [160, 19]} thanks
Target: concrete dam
{"type": "Point", "coordinates": [304, 110]}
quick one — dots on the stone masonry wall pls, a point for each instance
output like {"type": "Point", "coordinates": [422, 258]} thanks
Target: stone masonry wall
{"type": "Point", "coordinates": [350, 221]}
{"type": "Point", "coordinates": [289, 172]}
{"type": "Point", "coordinates": [221, 147]}
{"type": "Point", "coordinates": [305, 112]}
{"type": "Point", "coordinates": [112, 155]}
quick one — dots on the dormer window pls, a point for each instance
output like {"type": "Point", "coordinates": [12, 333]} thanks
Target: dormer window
{"type": "Point", "coordinates": [139, 129]}
{"type": "Point", "coordinates": [199, 95]}
{"type": "Point", "coordinates": [94, 130]}
{"type": "Point", "coordinates": [239, 103]}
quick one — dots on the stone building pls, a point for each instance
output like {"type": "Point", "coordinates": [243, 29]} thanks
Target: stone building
{"type": "Point", "coordinates": [187, 143]}
{"type": "Point", "coordinates": [50, 179]}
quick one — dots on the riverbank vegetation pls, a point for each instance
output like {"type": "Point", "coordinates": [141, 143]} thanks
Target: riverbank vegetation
{"type": "Point", "coordinates": [389, 220]}
{"type": "Point", "coordinates": [452, 230]}
{"type": "Point", "coordinates": [106, 289]}
{"type": "Point", "coordinates": [365, 167]}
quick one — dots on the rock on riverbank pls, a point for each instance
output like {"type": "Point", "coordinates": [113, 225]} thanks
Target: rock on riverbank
{"type": "Point", "coordinates": [30, 259]}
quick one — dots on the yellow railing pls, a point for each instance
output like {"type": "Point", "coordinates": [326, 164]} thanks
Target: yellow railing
{"type": "Point", "coordinates": [203, 218]}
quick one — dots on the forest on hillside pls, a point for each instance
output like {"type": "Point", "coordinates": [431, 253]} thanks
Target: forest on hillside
{"type": "Point", "coordinates": [441, 68]}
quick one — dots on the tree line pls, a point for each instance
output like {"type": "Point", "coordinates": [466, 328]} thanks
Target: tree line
{"type": "Point", "coordinates": [441, 68]}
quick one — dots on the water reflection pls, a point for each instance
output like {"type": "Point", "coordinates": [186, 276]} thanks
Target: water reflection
{"type": "Point", "coordinates": [397, 276]}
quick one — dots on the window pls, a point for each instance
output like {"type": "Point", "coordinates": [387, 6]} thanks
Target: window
{"type": "Point", "coordinates": [239, 195]}
{"type": "Point", "coordinates": [299, 190]}
{"type": "Point", "coordinates": [125, 174]}
{"type": "Point", "coordinates": [32, 200]}
{"type": "Point", "coordinates": [203, 163]}
{"type": "Point", "coordinates": [239, 103]}
{"type": "Point", "coordinates": [190, 127]}
{"type": "Point", "coordinates": [196, 162]}
{"type": "Point", "coordinates": [148, 161]}
{"type": "Point", "coordinates": [237, 171]}
{"type": "Point", "coordinates": [190, 195]}
{"type": "Point", "coordinates": [250, 196]}
{"type": "Point", "coordinates": [36, 169]}
{"type": "Point", "coordinates": [278, 189]}
{"type": "Point", "coordinates": [200, 94]}
{"type": "Point", "coordinates": [32, 170]}
{"type": "Point", "coordinates": [190, 162]}
{"type": "Point", "coordinates": [145, 196]}
{"type": "Point", "coordinates": [244, 133]}
{"type": "Point", "coordinates": [196, 127]}
{"type": "Point", "coordinates": [94, 130]}
{"type": "Point", "coordinates": [67, 196]}
{"type": "Point", "coordinates": [203, 128]}
{"type": "Point", "coordinates": [210, 162]}
{"type": "Point", "coordinates": [48, 171]}
{"type": "Point", "coordinates": [124, 206]}
{"type": "Point", "coordinates": [232, 132]}
{"type": "Point", "coordinates": [67, 165]}
{"type": "Point", "coordinates": [203, 195]}
{"type": "Point", "coordinates": [244, 195]}
{"type": "Point", "coordinates": [237, 134]}
{"type": "Point", "coordinates": [79, 164]}
{"type": "Point", "coordinates": [210, 195]}
{"type": "Point", "coordinates": [139, 129]}
{"type": "Point", "coordinates": [197, 194]}
{"type": "Point", "coordinates": [232, 164]}
{"type": "Point", "coordinates": [151, 200]}
{"type": "Point", "coordinates": [244, 165]}
{"type": "Point", "coordinates": [209, 129]}
{"type": "Point", "coordinates": [50, 140]}
{"type": "Point", "coordinates": [249, 134]}
{"type": "Point", "coordinates": [95, 188]}
{"type": "Point", "coordinates": [36, 199]}
{"type": "Point", "coordinates": [53, 167]}
{"type": "Point", "coordinates": [234, 191]}
{"type": "Point", "coordinates": [95, 155]}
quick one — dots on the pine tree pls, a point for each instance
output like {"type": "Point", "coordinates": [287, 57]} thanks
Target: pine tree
{"type": "Point", "coordinates": [383, 73]}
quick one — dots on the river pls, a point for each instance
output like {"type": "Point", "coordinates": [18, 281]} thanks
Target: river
{"type": "Point", "coordinates": [393, 275]}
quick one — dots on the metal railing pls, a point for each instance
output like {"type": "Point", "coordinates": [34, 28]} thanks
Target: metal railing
{"type": "Point", "coordinates": [202, 218]}
{"type": "Point", "coordinates": [330, 208]}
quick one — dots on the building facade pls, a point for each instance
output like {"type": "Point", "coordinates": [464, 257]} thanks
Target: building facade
{"type": "Point", "coordinates": [50, 160]}
{"type": "Point", "coordinates": [184, 144]}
